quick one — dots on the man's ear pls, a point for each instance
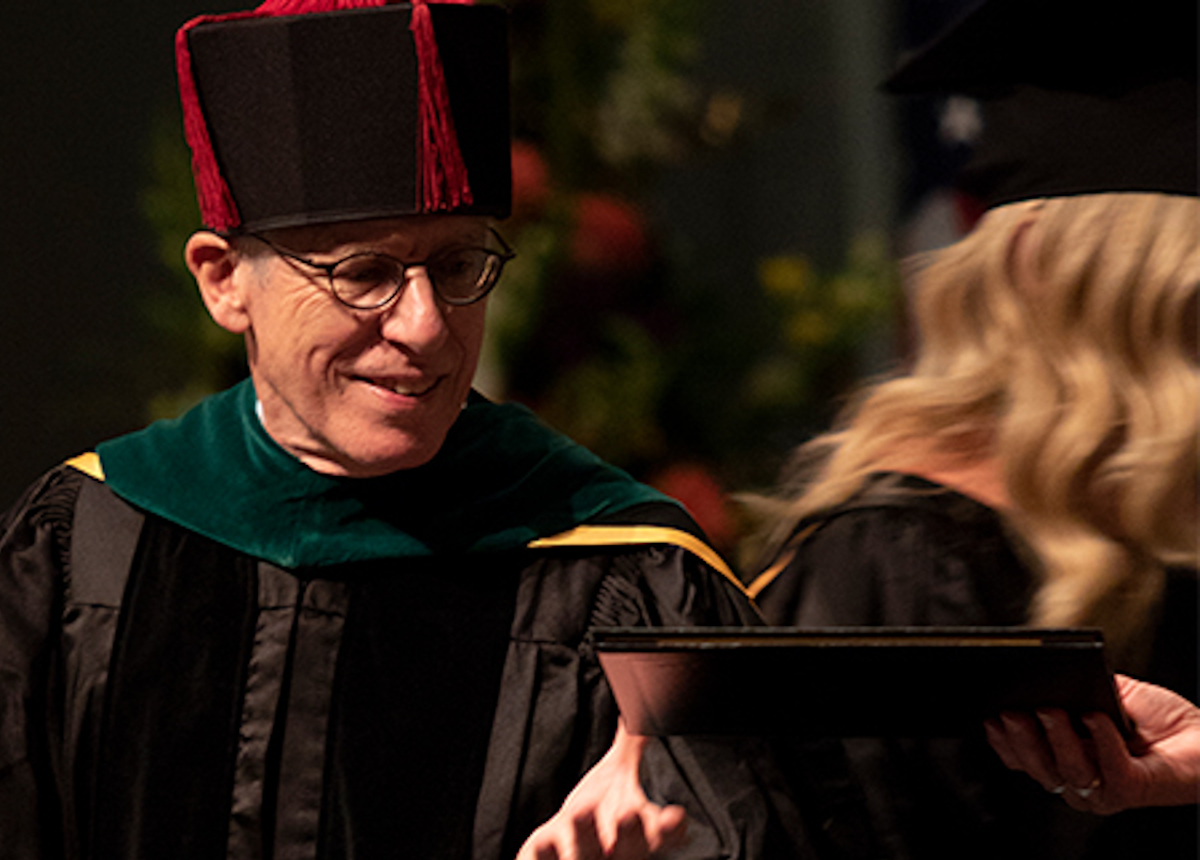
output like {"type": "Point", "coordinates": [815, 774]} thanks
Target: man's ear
{"type": "Point", "coordinates": [214, 262]}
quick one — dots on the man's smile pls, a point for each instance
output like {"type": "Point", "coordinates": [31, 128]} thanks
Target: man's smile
{"type": "Point", "coordinates": [418, 387]}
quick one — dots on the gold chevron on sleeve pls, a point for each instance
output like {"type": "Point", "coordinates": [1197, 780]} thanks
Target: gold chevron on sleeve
{"type": "Point", "coordinates": [634, 535]}
{"type": "Point", "coordinates": [767, 576]}
{"type": "Point", "coordinates": [89, 464]}
{"type": "Point", "coordinates": [756, 586]}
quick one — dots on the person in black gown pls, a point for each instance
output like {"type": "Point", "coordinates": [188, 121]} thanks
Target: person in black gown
{"type": "Point", "coordinates": [1038, 463]}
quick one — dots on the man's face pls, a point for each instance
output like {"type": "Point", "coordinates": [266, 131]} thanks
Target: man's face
{"type": "Point", "coordinates": [360, 393]}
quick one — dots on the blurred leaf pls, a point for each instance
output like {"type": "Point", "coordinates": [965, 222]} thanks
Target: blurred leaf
{"type": "Point", "coordinates": [209, 357]}
{"type": "Point", "coordinates": [609, 403]}
{"type": "Point", "coordinates": [785, 276]}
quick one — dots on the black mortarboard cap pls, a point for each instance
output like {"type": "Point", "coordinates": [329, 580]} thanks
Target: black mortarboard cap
{"type": "Point", "coordinates": [318, 117]}
{"type": "Point", "coordinates": [1078, 96]}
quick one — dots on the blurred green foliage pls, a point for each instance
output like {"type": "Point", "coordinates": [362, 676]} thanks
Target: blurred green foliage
{"type": "Point", "coordinates": [208, 358]}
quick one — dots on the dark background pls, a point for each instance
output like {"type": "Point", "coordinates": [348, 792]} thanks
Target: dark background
{"type": "Point", "coordinates": [80, 84]}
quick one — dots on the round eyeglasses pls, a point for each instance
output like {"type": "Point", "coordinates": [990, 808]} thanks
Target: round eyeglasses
{"type": "Point", "coordinates": [368, 280]}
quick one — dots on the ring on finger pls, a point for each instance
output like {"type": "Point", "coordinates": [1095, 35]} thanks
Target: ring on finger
{"type": "Point", "coordinates": [1089, 789]}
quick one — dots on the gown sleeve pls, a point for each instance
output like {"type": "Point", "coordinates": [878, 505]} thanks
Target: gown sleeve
{"type": "Point", "coordinates": [738, 803]}
{"type": "Point", "coordinates": [34, 539]}
{"type": "Point", "coordinates": [735, 805]}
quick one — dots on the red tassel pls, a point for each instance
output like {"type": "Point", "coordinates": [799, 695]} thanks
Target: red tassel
{"type": "Point", "coordinates": [444, 183]}
{"type": "Point", "coordinates": [218, 211]}
{"type": "Point", "coordinates": [271, 8]}
{"type": "Point", "coordinates": [442, 171]}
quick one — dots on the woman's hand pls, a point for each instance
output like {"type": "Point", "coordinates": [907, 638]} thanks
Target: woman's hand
{"type": "Point", "coordinates": [1102, 774]}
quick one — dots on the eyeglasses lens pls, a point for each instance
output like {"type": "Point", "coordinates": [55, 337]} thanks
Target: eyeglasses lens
{"type": "Point", "coordinates": [367, 280]}
{"type": "Point", "coordinates": [460, 276]}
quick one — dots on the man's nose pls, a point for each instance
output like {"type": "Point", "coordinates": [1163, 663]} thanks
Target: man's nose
{"type": "Point", "coordinates": [416, 320]}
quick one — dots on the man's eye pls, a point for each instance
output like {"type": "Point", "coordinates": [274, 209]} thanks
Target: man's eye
{"type": "Point", "coordinates": [458, 264]}
{"type": "Point", "coordinates": [364, 272]}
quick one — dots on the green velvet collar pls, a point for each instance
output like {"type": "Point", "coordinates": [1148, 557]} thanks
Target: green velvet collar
{"type": "Point", "coordinates": [501, 480]}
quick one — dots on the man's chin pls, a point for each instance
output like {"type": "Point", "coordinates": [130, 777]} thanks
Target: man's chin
{"type": "Point", "coordinates": [374, 461]}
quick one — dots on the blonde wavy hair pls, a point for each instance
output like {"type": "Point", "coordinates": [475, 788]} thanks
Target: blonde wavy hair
{"type": "Point", "coordinates": [1077, 373]}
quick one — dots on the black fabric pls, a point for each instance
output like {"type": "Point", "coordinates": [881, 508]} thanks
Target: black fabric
{"type": "Point", "coordinates": [1041, 143]}
{"type": "Point", "coordinates": [1085, 46]}
{"type": "Point", "coordinates": [903, 551]}
{"type": "Point", "coordinates": [817, 776]}
{"type": "Point", "coordinates": [235, 724]}
{"type": "Point", "coordinates": [34, 535]}
{"type": "Point", "coordinates": [650, 587]}
{"type": "Point", "coordinates": [1174, 660]}
{"type": "Point", "coordinates": [104, 538]}
{"type": "Point", "coordinates": [436, 637]}
{"type": "Point", "coordinates": [1099, 96]}
{"type": "Point", "coordinates": [908, 552]}
{"type": "Point", "coordinates": [174, 692]}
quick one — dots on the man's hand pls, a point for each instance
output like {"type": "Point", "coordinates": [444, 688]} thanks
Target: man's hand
{"type": "Point", "coordinates": [1101, 774]}
{"type": "Point", "coordinates": [607, 815]}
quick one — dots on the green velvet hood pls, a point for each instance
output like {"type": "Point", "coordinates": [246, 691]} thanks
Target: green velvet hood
{"type": "Point", "coordinates": [501, 480]}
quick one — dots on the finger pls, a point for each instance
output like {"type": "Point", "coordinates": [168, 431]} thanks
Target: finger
{"type": "Point", "coordinates": [671, 819]}
{"type": "Point", "coordinates": [587, 840]}
{"type": "Point", "coordinates": [672, 829]}
{"type": "Point", "coordinates": [1072, 761]}
{"type": "Point", "coordinates": [1115, 764]}
{"type": "Point", "coordinates": [665, 827]}
{"type": "Point", "coordinates": [631, 841]}
{"type": "Point", "coordinates": [1032, 751]}
{"type": "Point", "coordinates": [1112, 754]}
{"type": "Point", "coordinates": [539, 846]}
{"type": "Point", "coordinates": [998, 738]}
{"type": "Point", "coordinates": [1125, 684]}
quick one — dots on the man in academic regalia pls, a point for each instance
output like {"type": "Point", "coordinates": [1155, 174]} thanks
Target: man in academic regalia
{"type": "Point", "coordinates": [340, 610]}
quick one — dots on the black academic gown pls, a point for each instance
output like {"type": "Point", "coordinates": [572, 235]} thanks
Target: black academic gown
{"type": "Point", "coordinates": [212, 704]}
{"type": "Point", "coordinates": [927, 556]}
{"type": "Point", "coordinates": [165, 694]}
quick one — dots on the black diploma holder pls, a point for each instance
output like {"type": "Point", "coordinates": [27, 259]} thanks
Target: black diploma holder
{"type": "Point", "coordinates": [851, 682]}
